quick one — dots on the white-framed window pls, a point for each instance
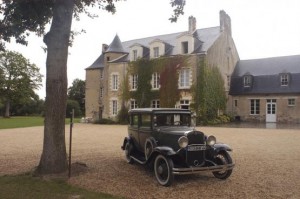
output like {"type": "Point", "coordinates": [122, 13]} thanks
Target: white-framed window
{"type": "Point", "coordinates": [155, 104]}
{"type": "Point", "coordinates": [156, 52]}
{"type": "Point", "coordinates": [114, 107]}
{"type": "Point", "coordinates": [284, 79]}
{"type": "Point", "coordinates": [133, 104]}
{"type": "Point", "coordinates": [115, 82]}
{"type": "Point", "coordinates": [291, 102]}
{"type": "Point", "coordinates": [155, 80]}
{"type": "Point", "coordinates": [134, 81]}
{"type": "Point", "coordinates": [101, 92]}
{"type": "Point", "coordinates": [134, 55]}
{"type": "Point", "coordinates": [185, 104]}
{"type": "Point", "coordinates": [254, 107]}
{"type": "Point", "coordinates": [247, 80]}
{"type": "Point", "coordinates": [184, 78]}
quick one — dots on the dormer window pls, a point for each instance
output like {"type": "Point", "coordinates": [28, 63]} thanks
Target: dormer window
{"type": "Point", "coordinates": [247, 80]}
{"type": "Point", "coordinates": [185, 47]}
{"type": "Point", "coordinates": [134, 55]}
{"type": "Point", "coordinates": [284, 79]}
{"type": "Point", "coordinates": [155, 52]}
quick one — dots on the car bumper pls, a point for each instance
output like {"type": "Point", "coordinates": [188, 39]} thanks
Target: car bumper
{"type": "Point", "coordinates": [193, 170]}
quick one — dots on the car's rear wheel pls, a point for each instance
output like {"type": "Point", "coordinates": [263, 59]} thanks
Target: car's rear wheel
{"type": "Point", "coordinates": [163, 169]}
{"type": "Point", "coordinates": [128, 151]}
{"type": "Point", "coordinates": [222, 159]}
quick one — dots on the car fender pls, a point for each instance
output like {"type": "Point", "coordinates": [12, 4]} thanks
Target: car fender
{"type": "Point", "coordinates": [164, 150]}
{"type": "Point", "coordinates": [126, 139]}
{"type": "Point", "coordinates": [221, 147]}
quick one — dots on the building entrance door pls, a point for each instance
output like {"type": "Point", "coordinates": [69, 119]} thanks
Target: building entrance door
{"type": "Point", "coordinates": [271, 110]}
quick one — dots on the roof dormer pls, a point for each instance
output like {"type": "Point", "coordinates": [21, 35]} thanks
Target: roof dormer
{"type": "Point", "coordinates": [186, 42]}
{"type": "Point", "coordinates": [138, 51]}
{"type": "Point", "coordinates": [157, 48]}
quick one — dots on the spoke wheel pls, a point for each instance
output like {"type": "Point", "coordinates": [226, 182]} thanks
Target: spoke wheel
{"type": "Point", "coordinates": [163, 168]}
{"type": "Point", "coordinates": [222, 159]}
{"type": "Point", "coordinates": [128, 151]}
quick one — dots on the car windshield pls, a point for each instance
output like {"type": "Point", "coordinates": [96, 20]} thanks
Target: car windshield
{"type": "Point", "coordinates": [171, 119]}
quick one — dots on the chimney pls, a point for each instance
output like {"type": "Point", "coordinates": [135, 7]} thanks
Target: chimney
{"type": "Point", "coordinates": [104, 47]}
{"type": "Point", "coordinates": [225, 22]}
{"type": "Point", "coordinates": [192, 24]}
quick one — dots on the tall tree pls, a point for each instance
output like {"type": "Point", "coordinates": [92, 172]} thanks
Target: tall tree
{"type": "Point", "coordinates": [77, 92]}
{"type": "Point", "coordinates": [21, 17]}
{"type": "Point", "coordinates": [19, 79]}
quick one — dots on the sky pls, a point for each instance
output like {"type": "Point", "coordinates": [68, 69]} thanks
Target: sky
{"type": "Point", "coordinates": [260, 29]}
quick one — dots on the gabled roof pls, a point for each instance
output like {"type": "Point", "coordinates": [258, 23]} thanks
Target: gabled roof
{"type": "Point", "coordinates": [207, 35]}
{"type": "Point", "coordinates": [266, 76]}
{"type": "Point", "coordinates": [268, 66]}
{"type": "Point", "coordinates": [205, 38]}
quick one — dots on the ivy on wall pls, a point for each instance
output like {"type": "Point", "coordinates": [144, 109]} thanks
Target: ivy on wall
{"type": "Point", "coordinates": [168, 68]}
{"type": "Point", "coordinates": [208, 92]}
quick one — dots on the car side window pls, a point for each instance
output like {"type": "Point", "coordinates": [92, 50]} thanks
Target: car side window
{"type": "Point", "coordinates": [135, 120]}
{"type": "Point", "coordinates": [146, 120]}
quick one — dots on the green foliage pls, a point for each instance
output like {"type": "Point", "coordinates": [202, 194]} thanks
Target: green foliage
{"type": "Point", "coordinates": [123, 115]}
{"type": "Point", "coordinates": [167, 68]}
{"type": "Point", "coordinates": [208, 93]}
{"type": "Point", "coordinates": [72, 104]}
{"type": "Point", "coordinates": [19, 78]}
{"type": "Point", "coordinates": [105, 121]}
{"type": "Point", "coordinates": [25, 186]}
{"type": "Point", "coordinates": [77, 92]}
{"type": "Point", "coordinates": [33, 107]}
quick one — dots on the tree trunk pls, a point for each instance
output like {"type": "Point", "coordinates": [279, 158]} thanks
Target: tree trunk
{"type": "Point", "coordinates": [7, 108]}
{"type": "Point", "coordinates": [54, 157]}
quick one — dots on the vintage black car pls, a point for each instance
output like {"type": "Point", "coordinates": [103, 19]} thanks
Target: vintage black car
{"type": "Point", "coordinates": [166, 140]}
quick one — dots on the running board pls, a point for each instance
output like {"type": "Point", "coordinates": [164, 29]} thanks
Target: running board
{"type": "Point", "coordinates": [139, 161]}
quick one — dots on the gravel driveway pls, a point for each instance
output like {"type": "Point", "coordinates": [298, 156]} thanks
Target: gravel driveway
{"type": "Point", "coordinates": [267, 163]}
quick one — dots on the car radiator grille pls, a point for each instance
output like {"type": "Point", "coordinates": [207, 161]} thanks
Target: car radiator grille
{"type": "Point", "coordinates": [196, 157]}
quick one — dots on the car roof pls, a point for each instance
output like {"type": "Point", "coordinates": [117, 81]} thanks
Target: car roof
{"type": "Point", "coordinates": [159, 110]}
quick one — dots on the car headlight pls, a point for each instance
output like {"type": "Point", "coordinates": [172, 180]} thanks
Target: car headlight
{"type": "Point", "coordinates": [211, 140]}
{"type": "Point", "coordinates": [183, 141]}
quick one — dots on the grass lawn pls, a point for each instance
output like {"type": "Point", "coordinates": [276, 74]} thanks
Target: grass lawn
{"type": "Point", "coordinates": [20, 122]}
{"type": "Point", "coordinates": [25, 186]}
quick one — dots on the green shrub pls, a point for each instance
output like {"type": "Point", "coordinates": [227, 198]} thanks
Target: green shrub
{"type": "Point", "coordinates": [104, 121]}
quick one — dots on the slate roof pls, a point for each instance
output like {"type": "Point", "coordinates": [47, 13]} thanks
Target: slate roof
{"type": "Point", "coordinates": [116, 46]}
{"type": "Point", "coordinates": [266, 76]}
{"type": "Point", "coordinates": [99, 63]}
{"type": "Point", "coordinates": [205, 39]}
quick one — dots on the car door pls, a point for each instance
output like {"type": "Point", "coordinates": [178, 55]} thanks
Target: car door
{"type": "Point", "coordinates": [144, 130]}
{"type": "Point", "coordinates": [134, 128]}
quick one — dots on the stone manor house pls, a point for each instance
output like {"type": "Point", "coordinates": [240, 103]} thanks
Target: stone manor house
{"type": "Point", "coordinates": [249, 85]}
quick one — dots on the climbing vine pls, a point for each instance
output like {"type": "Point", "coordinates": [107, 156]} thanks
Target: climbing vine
{"type": "Point", "coordinates": [168, 94]}
{"type": "Point", "coordinates": [208, 93]}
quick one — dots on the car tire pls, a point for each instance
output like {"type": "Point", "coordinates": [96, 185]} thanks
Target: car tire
{"type": "Point", "coordinates": [163, 169]}
{"type": "Point", "coordinates": [128, 152]}
{"type": "Point", "coordinates": [221, 159]}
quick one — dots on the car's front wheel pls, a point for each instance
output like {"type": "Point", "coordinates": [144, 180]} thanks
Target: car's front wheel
{"type": "Point", "coordinates": [163, 167]}
{"type": "Point", "coordinates": [222, 159]}
{"type": "Point", "coordinates": [128, 151]}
